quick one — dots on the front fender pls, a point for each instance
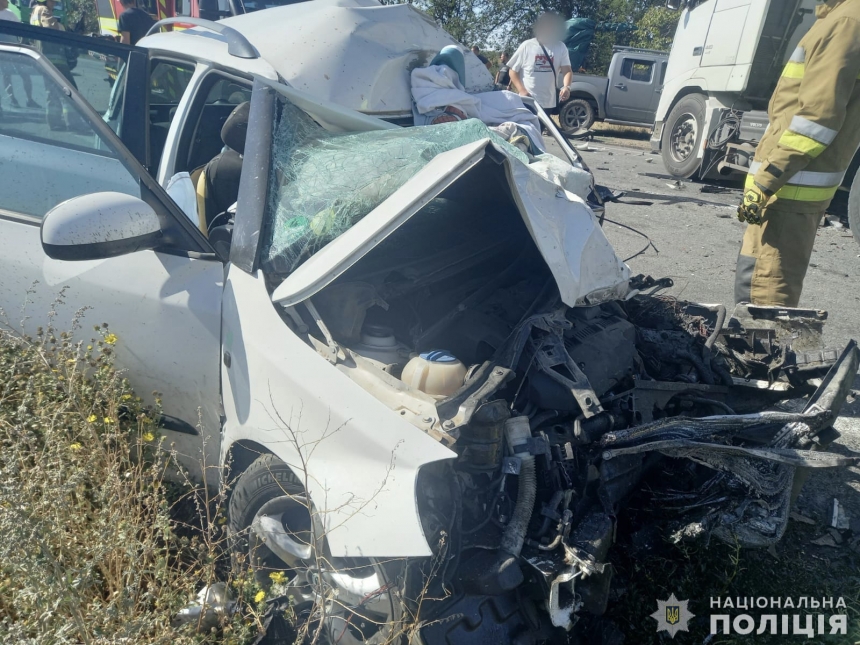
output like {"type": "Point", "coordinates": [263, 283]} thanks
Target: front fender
{"type": "Point", "coordinates": [359, 459]}
{"type": "Point", "coordinates": [580, 89]}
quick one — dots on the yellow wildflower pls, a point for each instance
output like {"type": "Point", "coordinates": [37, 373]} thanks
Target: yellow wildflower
{"type": "Point", "coordinates": [126, 397]}
{"type": "Point", "coordinates": [259, 597]}
{"type": "Point", "coordinates": [108, 420]}
{"type": "Point", "coordinates": [111, 339]}
{"type": "Point", "coordinates": [92, 418]}
{"type": "Point", "coordinates": [148, 436]}
{"type": "Point", "coordinates": [278, 577]}
{"type": "Point", "coordinates": [75, 447]}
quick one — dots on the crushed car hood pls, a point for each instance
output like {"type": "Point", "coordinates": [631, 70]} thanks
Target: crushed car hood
{"type": "Point", "coordinates": [564, 229]}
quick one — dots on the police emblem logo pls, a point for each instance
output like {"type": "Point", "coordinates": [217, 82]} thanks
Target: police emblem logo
{"type": "Point", "coordinates": [672, 616]}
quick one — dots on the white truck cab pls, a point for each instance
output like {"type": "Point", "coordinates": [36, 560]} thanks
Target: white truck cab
{"type": "Point", "coordinates": [725, 60]}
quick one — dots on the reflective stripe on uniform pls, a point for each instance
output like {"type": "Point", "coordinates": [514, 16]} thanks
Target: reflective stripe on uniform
{"type": "Point", "coordinates": [800, 193]}
{"type": "Point", "coordinates": [798, 56]}
{"type": "Point", "coordinates": [813, 130]}
{"type": "Point", "coordinates": [794, 70]}
{"type": "Point", "coordinates": [807, 177]}
{"type": "Point", "coordinates": [801, 143]}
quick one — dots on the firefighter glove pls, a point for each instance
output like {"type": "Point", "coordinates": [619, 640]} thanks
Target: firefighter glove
{"type": "Point", "coordinates": [753, 204]}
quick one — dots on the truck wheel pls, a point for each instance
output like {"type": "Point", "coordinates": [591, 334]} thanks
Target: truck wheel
{"type": "Point", "coordinates": [854, 207]}
{"type": "Point", "coordinates": [682, 136]}
{"type": "Point", "coordinates": [273, 531]}
{"type": "Point", "coordinates": [576, 114]}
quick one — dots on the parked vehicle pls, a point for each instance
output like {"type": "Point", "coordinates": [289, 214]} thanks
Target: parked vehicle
{"type": "Point", "coordinates": [473, 488]}
{"type": "Point", "coordinates": [629, 96]}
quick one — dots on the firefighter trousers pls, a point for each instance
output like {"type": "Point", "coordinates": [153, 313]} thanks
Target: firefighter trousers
{"type": "Point", "coordinates": [774, 256]}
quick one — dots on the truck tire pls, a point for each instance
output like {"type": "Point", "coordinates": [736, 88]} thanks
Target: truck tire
{"type": "Point", "coordinates": [576, 114]}
{"type": "Point", "coordinates": [854, 207]}
{"type": "Point", "coordinates": [269, 489]}
{"type": "Point", "coordinates": [682, 136]}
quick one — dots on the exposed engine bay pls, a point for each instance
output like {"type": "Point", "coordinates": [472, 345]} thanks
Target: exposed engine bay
{"type": "Point", "coordinates": [558, 414]}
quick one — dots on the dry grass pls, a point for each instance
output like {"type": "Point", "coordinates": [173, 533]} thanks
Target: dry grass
{"type": "Point", "coordinates": [93, 550]}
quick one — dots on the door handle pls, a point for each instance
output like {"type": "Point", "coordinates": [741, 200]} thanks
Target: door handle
{"type": "Point", "coordinates": [620, 86]}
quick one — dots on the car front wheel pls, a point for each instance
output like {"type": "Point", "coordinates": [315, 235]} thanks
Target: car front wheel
{"type": "Point", "coordinates": [348, 601]}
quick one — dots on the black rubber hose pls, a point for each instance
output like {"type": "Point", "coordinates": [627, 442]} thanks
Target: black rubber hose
{"type": "Point", "coordinates": [517, 431]}
{"type": "Point", "coordinates": [704, 372]}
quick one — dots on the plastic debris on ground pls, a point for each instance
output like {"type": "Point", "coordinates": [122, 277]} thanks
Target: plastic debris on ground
{"type": "Point", "coordinates": [325, 182]}
{"type": "Point", "coordinates": [213, 602]}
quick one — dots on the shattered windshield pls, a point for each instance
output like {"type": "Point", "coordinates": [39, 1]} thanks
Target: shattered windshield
{"type": "Point", "coordinates": [322, 183]}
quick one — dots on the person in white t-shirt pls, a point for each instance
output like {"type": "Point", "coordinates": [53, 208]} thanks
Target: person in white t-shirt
{"type": "Point", "coordinates": [537, 64]}
{"type": "Point", "coordinates": [6, 14]}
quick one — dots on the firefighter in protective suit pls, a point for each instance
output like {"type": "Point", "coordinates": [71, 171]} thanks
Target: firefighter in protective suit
{"type": "Point", "coordinates": [799, 163]}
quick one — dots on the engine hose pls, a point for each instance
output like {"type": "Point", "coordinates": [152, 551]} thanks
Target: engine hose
{"type": "Point", "coordinates": [718, 327]}
{"type": "Point", "coordinates": [518, 433]}
{"type": "Point", "coordinates": [703, 371]}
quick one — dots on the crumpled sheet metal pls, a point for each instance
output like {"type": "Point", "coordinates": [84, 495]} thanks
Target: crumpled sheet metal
{"type": "Point", "coordinates": [759, 481]}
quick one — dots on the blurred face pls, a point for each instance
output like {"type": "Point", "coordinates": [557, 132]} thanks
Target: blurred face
{"type": "Point", "coordinates": [503, 58]}
{"type": "Point", "coordinates": [549, 29]}
{"type": "Point", "coordinates": [4, 4]}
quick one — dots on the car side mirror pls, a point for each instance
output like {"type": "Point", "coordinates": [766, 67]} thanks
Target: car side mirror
{"type": "Point", "coordinates": [674, 5]}
{"type": "Point", "coordinates": [98, 226]}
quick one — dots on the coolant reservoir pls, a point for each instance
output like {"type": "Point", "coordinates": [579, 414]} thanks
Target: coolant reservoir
{"type": "Point", "coordinates": [437, 373]}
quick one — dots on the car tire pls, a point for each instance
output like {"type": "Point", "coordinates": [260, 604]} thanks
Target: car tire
{"type": "Point", "coordinates": [854, 207]}
{"type": "Point", "coordinates": [370, 618]}
{"type": "Point", "coordinates": [682, 136]}
{"type": "Point", "coordinates": [576, 114]}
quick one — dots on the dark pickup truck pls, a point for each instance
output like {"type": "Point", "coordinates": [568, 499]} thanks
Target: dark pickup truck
{"type": "Point", "coordinates": [628, 96]}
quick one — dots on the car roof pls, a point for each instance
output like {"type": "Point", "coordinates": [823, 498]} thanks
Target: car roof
{"type": "Point", "coordinates": [355, 53]}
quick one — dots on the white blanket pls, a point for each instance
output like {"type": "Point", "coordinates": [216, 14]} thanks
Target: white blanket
{"type": "Point", "coordinates": [438, 86]}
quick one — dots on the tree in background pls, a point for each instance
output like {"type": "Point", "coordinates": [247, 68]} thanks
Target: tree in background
{"type": "Point", "coordinates": [498, 24]}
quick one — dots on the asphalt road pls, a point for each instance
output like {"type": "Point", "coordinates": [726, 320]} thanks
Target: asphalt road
{"type": "Point", "coordinates": [698, 237]}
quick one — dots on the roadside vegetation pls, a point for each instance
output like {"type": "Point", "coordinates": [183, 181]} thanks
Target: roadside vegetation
{"type": "Point", "coordinates": [97, 545]}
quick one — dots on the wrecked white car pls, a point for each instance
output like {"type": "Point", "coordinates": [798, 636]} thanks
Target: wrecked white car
{"type": "Point", "coordinates": [435, 383]}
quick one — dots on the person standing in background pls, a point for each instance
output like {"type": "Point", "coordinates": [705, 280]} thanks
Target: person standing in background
{"type": "Point", "coordinates": [537, 63]}
{"type": "Point", "coordinates": [503, 76]}
{"type": "Point", "coordinates": [477, 52]}
{"type": "Point", "coordinates": [133, 23]}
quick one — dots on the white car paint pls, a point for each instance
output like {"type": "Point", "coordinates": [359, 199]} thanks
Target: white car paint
{"type": "Point", "coordinates": [105, 216]}
{"type": "Point", "coordinates": [358, 459]}
{"type": "Point", "coordinates": [355, 53]}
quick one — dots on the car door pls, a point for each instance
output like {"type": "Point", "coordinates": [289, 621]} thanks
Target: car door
{"type": "Point", "coordinates": [163, 305]}
{"type": "Point", "coordinates": [631, 89]}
